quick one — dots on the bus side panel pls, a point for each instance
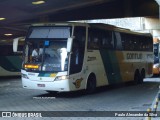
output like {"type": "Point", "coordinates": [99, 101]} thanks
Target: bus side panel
{"type": "Point", "coordinates": [111, 66]}
{"type": "Point", "coordinates": [130, 61]}
{"type": "Point", "coordinates": [95, 65]}
{"type": "Point", "coordinates": [125, 70]}
{"type": "Point", "coordinates": [119, 68]}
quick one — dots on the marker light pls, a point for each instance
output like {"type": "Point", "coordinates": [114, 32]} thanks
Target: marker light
{"type": "Point", "coordinates": [38, 2]}
{"type": "Point", "coordinates": [31, 66]}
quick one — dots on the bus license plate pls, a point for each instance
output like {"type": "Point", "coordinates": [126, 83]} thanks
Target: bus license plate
{"type": "Point", "coordinates": [41, 85]}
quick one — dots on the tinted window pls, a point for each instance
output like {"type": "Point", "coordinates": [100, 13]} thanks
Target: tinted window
{"type": "Point", "coordinates": [100, 39]}
{"type": "Point", "coordinates": [78, 50]}
{"type": "Point", "coordinates": [132, 42]}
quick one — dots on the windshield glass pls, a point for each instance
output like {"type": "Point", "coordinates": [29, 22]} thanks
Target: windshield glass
{"type": "Point", "coordinates": [156, 48]}
{"type": "Point", "coordinates": [49, 54]}
{"type": "Point", "coordinates": [156, 52]}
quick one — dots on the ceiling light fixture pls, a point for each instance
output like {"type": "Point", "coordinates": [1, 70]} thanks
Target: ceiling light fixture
{"type": "Point", "coordinates": [38, 2]}
{"type": "Point", "coordinates": [8, 34]}
{"type": "Point", "coordinates": [2, 18]}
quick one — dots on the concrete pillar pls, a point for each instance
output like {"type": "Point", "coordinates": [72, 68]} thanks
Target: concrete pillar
{"type": "Point", "coordinates": [156, 33]}
{"type": "Point", "coordinates": [152, 24]}
{"type": "Point", "coordinates": [158, 1]}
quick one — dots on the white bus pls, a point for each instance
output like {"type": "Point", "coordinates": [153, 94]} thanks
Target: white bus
{"type": "Point", "coordinates": [77, 56]}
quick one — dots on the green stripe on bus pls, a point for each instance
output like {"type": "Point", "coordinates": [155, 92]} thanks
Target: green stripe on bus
{"type": "Point", "coordinates": [47, 74]}
{"type": "Point", "coordinates": [44, 74]}
{"type": "Point", "coordinates": [111, 66]}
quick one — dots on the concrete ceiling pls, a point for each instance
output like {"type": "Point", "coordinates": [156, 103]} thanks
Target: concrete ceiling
{"type": "Point", "coordinates": [21, 13]}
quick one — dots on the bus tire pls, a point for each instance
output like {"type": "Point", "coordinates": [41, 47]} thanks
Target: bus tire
{"type": "Point", "coordinates": [91, 84]}
{"type": "Point", "coordinates": [137, 77]}
{"type": "Point", "coordinates": [142, 75]}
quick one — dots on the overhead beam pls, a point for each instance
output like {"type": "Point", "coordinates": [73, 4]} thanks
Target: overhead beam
{"type": "Point", "coordinates": [105, 10]}
{"type": "Point", "coordinates": [113, 9]}
{"type": "Point", "coordinates": [152, 23]}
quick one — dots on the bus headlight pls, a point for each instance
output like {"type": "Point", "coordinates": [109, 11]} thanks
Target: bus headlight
{"type": "Point", "coordinates": [64, 77]}
{"type": "Point", "coordinates": [25, 76]}
{"type": "Point", "coordinates": [156, 65]}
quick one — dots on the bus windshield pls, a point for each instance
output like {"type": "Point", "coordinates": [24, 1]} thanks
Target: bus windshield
{"type": "Point", "coordinates": [47, 52]}
{"type": "Point", "coordinates": [156, 52]}
{"type": "Point", "coordinates": [156, 48]}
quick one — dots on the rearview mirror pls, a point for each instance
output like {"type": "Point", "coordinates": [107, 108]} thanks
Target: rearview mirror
{"type": "Point", "coordinates": [69, 44]}
{"type": "Point", "coordinates": [15, 44]}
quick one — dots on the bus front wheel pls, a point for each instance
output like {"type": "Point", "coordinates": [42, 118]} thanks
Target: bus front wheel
{"type": "Point", "coordinates": [91, 84]}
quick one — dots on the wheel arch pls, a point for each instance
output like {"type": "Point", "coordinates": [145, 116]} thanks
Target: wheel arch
{"type": "Point", "coordinates": [92, 74]}
{"type": "Point", "coordinates": [136, 71]}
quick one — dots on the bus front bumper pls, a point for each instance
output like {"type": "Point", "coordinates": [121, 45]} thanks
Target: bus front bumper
{"type": "Point", "coordinates": [61, 85]}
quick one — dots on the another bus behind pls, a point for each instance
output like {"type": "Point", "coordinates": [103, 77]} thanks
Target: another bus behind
{"type": "Point", "coordinates": [10, 62]}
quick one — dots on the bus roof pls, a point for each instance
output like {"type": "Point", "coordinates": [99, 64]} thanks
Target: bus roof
{"type": "Point", "coordinates": [115, 28]}
{"type": "Point", "coordinates": [62, 24]}
{"type": "Point", "coordinates": [94, 25]}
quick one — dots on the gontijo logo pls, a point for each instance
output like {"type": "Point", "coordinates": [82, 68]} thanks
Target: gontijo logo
{"type": "Point", "coordinates": [134, 55]}
{"type": "Point", "coordinates": [91, 58]}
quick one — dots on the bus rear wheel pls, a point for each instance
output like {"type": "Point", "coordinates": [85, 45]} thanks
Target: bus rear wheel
{"type": "Point", "coordinates": [91, 84]}
{"type": "Point", "coordinates": [137, 77]}
{"type": "Point", "coordinates": [142, 75]}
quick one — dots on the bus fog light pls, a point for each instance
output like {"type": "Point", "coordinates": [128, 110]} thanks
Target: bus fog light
{"type": "Point", "coordinates": [64, 77]}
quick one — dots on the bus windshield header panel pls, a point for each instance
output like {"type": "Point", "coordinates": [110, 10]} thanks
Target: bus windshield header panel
{"type": "Point", "coordinates": [49, 32]}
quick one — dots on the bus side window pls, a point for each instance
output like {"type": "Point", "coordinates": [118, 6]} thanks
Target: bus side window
{"type": "Point", "coordinates": [107, 41]}
{"type": "Point", "coordinates": [78, 50]}
{"type": "Point", "coordinates": [118, 41]}
{"type": "Point", "coordinates": [150, 42]}
{"type": "Point", "coordinates": [94, 43]}
{"type": "Point", "coordinates": [125, 41]}
{"type": "Point", "coordinates": [141, 44]}
{"type": "Point", "coordinates": [93, 39]}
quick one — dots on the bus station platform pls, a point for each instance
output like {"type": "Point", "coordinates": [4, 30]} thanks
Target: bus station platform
{"type": "Point", "coordinates": [103, 104]}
